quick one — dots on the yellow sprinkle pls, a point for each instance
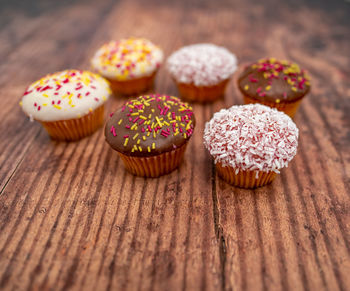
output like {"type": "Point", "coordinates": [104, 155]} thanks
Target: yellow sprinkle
{"type": "Point", "coordinates": [120, 121]}
{"type": "Point", "coordinates": [104, 98]}
{"type": "Point", "coordinates": [45, 95]}
{"type": "Point", "coordinates": [140, 149]}
{"type": "Point", "coordinates": [246, 87]}
{"type": "Point", "coordinates": [176, 133]}
{"type": "Point", "coordinates": [159, 122]}
{"type": "Point", "coordinates": [267, 88]}
{"type": "Point", "coordinates": [138, 141]}
{"type": "Point", "coordinates": [152, 110]}
{"type": "Point", "coordinates": [72, 105]}
{"type": "Point", "coordinates": [64, 96]}
{"type": "Point", "coordinates": [148, 133]}
{"type": "Point", "coordinates": [132, 150]}
{"type": "Point", "coordinates": [144, 138]}
{"type": "Point", "coordinates": [154, 134]}
{"type": "Point", "coordinates": [90, 109]}
{"type": "Point", "coordinates": [134, 127]}
{"type": "Point", "coordinates": [278, 100]}
{"type": "Point", "coordinates": [153, 145]}
{"type": "Point", "coordinates": [294, 89]}
{"type": "Point", "coordinates": [135, 147]}
{"type": "Point", "coordinates": [20, 103]}
{"type": "Point", "coordinates": [143, 117]}
{"type": "Point", "coordinates": [272, 60]}
{"type": "Point", "coordinates": [135, 113]}
{"type": "Point", "coordinates": [149, 149]}
{"type": "Point", "coordinates": [150, 116]}
{"type": "Point", "coordinates": [167, 123]}
{"type": "Point", "coordinates": [126, 141]}
{"type": "Point", "coordinates": [182, 124]}
{"type": "Point", "coordinates": [135, 136]}
{"type": "Point", "coordinates": [44, 104]}
{"type": "Point", "coordinates": [185, 135]}
{"type": "Point", "coordinates": [56, 106]}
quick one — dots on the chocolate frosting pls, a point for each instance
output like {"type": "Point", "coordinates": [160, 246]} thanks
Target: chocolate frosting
{"type": "Point", "coordinates": [150, 125]}
{"type": "Point", "coordinates": [272, 80]}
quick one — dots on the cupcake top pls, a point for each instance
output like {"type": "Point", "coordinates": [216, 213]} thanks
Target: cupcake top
{"type": "Point", "coordinates": [150, 125]}
{"type": "Point", "coordinates": [202, 64]}
{"type": "Point", "coordinates": [251, 137]}
{"type": "Point", "coordinates": [273, 80]}
{"type": "Point", "coordinates": [127, 59]}
{"type": "Point", "coordinates": [65, 95]}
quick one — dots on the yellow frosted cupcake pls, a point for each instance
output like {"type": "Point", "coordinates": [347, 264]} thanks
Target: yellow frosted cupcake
{"type": "Point", "coordinates": [129, 64]}
{"type": "Point", "coordinates": [69, 104]}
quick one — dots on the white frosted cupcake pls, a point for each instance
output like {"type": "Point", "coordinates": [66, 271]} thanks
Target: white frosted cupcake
{"type": "Point", "coordinates": [129, 64]}
{"type": "Point", "coordinates": [202, 71]}
{"type": "Point", "coordinates": [69, 104]}
{"type": "Point", "coordinates": [251, 143]}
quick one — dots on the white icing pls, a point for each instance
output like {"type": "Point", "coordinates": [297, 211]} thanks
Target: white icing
{"type": "Point", "coordinates": [251, 137]}
{"type": "Point", "coordinates": [56, 96]}
{"type": "Point", "coordinates": [202, 64]}
{"type": "Point", "coordinates": [127, 59]}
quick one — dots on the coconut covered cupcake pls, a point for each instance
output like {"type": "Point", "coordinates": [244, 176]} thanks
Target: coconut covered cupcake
{"type": "Point", "coordinates": [69, 104]}
{"type": "Point", "coordinates": [129, 64]}
{"type": "Point", "coordinates": [151, 133]}
{"type": "Point", "coordinates": [202, 71]}
{"type": "Point", "coordinates": [278, 84]}
{"type": "Point", "coordinates": [250, 143]}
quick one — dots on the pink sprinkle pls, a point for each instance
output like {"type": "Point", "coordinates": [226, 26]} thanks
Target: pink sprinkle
{"type": "Point", "coordinates": [96, 99]}
{"type": "Point", "coordinates": [126, 136]}
{"type": "Point", "coordinates": [65, 81]}
{"type": "Point", "coordinates": [39, 108]}
{"type": "Point", "coordinates": [110, 115]}
{"type": "Point", "coordinates": [127, 126]}
{"type": "Point", "coordinates": [123, 108]}
{"type": "Point", "coordinates": [87, 93]}
{"type": "Point", "coordinates": [141, 121]}
{"type": "Point", "coordinates": [93, 87]}
{"type": "Point", "coordinates": [143, 129]}
{"type": "Point", "coordinates": [59, 102]}
{"type": "Point", "coordinates": [35, 104]}
{"type": "Point", "coordinates": [27, 92]}
{"type": "Point", "coordinates": [130, 119]}
{"type": "Point", "coordinates": [136, 119]}
{"type": "Point", "coordinates": [53, 102]}
{"type": "Point", "coordinates": [173, 115]}
{"type": "Point", "coordinates": [149, 128]}
{"type": "Point", "coordinates": [130, 110]}
{"type": "Point", "coordinates": [284, 94]}
{"type": "Point", "coordinates": [113, 131]}
{"type": "Point", "coordinates": [258, 90]}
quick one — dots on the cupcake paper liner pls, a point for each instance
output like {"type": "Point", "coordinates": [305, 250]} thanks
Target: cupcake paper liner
{"type": "Point", "coordinates": [202, 93]}
{"type": "Point", "coordinates": [133, 86]}
{"type": "Point", "coordinates": [75, 129]}
{"type": "Point", "coordinates": [245, 179]}
{"type": "Point", "coordinates": [154, 166]}
{"type": "Point", "coordinates": [289, 108]}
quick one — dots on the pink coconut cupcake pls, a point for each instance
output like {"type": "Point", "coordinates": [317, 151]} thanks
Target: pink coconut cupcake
{"type": "Point", "coordinates": [251, 143]}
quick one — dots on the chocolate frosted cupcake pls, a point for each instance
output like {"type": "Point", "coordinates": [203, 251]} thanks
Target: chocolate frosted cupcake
{"type": "Point", "coordinates": [150, 133]}
{"type": "Point", "coordinates": [251, 143]}
{"type": "Point", "coordinates": [279, 84]}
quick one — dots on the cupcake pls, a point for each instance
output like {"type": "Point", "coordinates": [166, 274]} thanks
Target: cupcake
{"type": "Point", "coordinates": [69, 104]}
{"type": "Point", "coordinates": [151, 133]}
{"type": "Point", "coordinates": [129, 64]}
{"type": "Point", "coordinates": [202, 71]}
{"type": "Point", "coordinates": [278, 84]}
{"type": "Point", "coordinates": [250, 143]}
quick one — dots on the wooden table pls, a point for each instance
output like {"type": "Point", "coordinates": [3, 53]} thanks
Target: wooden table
{"type": "Point", "coordinates": [72, 218]}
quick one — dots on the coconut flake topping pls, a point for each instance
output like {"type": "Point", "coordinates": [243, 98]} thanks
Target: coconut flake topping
{"type": "Point", "coordinates": [251, 137]}
{"type": "Point", "coordinates": [202, 64]}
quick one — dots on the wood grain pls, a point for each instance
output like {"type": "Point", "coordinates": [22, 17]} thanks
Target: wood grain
{"type": "Point", "coordinates": [71, 218]}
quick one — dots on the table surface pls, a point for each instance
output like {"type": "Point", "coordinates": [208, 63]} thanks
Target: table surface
{"type": "Point", "coordinates": [72, 218]}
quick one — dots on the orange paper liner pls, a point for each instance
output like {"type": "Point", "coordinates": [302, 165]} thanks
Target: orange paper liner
{"type": "Point", "coordinates": [154, 166]}
{"type": "Point", "coordinates": [245, 179]}
{"type": "Point", "coordinates": [290, 108]}
{"type": "Point", "coordinates": [191, 92]}
{"type": "Point", "coordinates": [134, 86]}
{"type": "Point", "coordinates": [75, 129]}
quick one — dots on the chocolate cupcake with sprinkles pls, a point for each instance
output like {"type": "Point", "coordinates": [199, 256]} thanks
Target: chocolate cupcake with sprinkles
{"type": "Point", "coordinates": [278, 84]}
{"type": "Point", "coordinates": [150, 133]}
